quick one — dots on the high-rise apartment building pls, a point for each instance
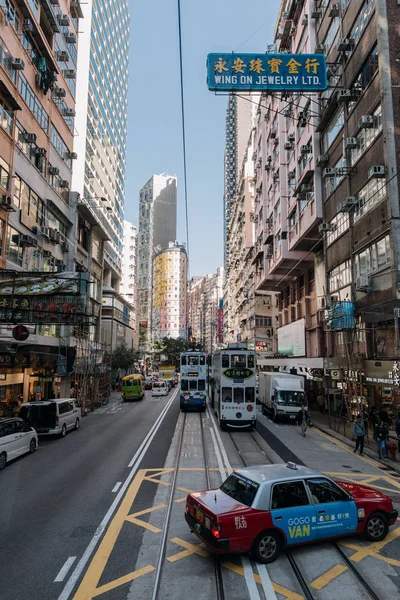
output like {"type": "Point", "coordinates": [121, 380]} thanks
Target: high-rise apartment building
{"type": "Point", "coordinates": [128, 288]}
{"type": "Point", "coordinates": [169, 310]}
{"type": "Point", "coordinates": [157, 227]}
{"type": "Point", "coordinates": [205, 295]}
{"type": "Point", "coordinates": [102, 97]}
{"type": "Point", "coordinates": [238, 124]}
{"type": "Point", "coordinates": [38, 56]}
{"type": "Point", "coordinates": [327, 233]}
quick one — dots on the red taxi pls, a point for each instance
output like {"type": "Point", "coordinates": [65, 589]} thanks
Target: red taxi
{"type": "Point", "coordinates": [263, 509]}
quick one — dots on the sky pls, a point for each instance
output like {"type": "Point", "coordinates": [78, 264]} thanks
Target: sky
{"type": "Point", "coordinates": [154, 117]}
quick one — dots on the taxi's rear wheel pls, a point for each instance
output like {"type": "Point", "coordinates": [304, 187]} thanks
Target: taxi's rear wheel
{"type": "Point", "coordinates": [376, 527]}
{"type": "Point", "coordinates": [266, 547]}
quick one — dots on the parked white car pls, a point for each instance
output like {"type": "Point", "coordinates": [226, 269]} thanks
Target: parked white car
{"type": "Point", "coordinates": [52, 417]}
{"type": "Point", "coordinates": [160, 388]}
{"type": "Point", "coordinates": [16, 438]}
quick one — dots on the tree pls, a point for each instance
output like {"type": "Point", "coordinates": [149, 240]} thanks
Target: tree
{"type": "Point", "coordinates": [172, 348]}
{"type": "Point", "coordinates": [123, 357]}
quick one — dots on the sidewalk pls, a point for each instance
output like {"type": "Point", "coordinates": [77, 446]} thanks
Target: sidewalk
{"type": "Point", "coordinates": [344, 435]}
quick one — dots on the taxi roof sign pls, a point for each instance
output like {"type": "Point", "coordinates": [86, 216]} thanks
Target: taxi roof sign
{"type": "Point", "coordinates": [292, 465]}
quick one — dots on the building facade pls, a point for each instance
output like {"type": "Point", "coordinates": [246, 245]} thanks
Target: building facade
{"type": "Point", "coordinates": [102, 97]}
{"type": "Point", "coordinates": [238, 124]}
{"type": "Point", "coordinates": [38, 57]}
{"type": "Point", "coordinates": [326, 199]}
{"type": "Point", "coordinates": [157, 227]}
{"type": "Point", "coordinates": [205, 297]}
{"type": "Point", "coordinates": [169, 305]}
{"type": "Point", "coordinates": [128, 287]}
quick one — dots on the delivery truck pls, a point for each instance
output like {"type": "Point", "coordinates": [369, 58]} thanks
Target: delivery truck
{"type": "Point", "coordinates": [281, 395]}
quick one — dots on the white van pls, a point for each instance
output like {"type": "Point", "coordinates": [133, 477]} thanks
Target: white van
{"type": "Point", "coordinates": [16, 438]}
{"type": "Point", "coordinates": [160, 388]}
{"type": "Point", "coordinates": [52, 417]}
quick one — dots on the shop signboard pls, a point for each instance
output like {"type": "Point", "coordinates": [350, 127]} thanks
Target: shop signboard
{"type": "Point", "coordinates": [229, 72]}
{"type": "Point", "coordinates": [263, 346]}
{"type": "Point", "coordinates": [385, 372]}
{"type": "Point", "coordinates": [292, 339]}
{"type": "Point", "coordinates": [220, 325]}
{"type": "Point", "coordinates": [42, 309]}
{"type": "Point", "coordinates": [42, 284]}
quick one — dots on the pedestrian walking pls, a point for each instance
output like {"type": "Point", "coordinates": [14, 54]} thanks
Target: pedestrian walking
{"type": "Point", "coordinates": [381, 433]}
{"type": "Point", "coordinates": [303, 420]}
{"type": "Point", "coordinates": [113, 383]}
{"type": "Point", "coordinates": [359, 434]}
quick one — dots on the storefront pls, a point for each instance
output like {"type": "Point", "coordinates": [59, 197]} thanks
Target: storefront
{"type": "Point", "coordinates": [382, 380]}
{"type": "Point", "coordinates": [11, 393]}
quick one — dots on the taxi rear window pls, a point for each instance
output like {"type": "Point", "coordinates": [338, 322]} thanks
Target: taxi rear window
{"type": "Point", "coordinates": [240, 489]}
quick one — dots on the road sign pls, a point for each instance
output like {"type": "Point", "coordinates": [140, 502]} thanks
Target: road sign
{"type": "Point", "coordinates": [20, 333]}
{"type": "Point", "coordinates": [273, 72]}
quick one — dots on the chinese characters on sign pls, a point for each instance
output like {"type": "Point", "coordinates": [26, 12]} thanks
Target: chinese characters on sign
{"type": "Point", "coordinates": [238, 373]}
{"type": "Point", "coordinates": [42, 309]}
{"type": "Point", "coordinates": [256, 72]}
{"type": "Point", "coordinates": [240, 523]}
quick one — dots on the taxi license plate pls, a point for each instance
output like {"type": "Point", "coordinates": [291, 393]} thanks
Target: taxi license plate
{"type": "Point", "coordinates": [199, 516]}
{"type": "Point", "coordinates": [292, 416]}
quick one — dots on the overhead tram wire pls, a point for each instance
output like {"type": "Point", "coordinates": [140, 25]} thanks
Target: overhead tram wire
{"type": "Point", "coordinates": [184, 150]}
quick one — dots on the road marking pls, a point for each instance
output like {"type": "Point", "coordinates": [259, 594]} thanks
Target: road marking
{"type": "Point", "coordinates": [135, 462]}
{"type": "Point", "coordinates": [266, 582]}
{"type": "Point", "coordinates": [222, 458]}
{"type": "Point", "coordinates": [122, 580]}
{"type": "Point", "coordinates": [116, 487]}
{"type": "Point", "coordinates": [133, 518]}
{"type": "Point", "coordinates": [190, 549]}
{"type": "Point", "coordinates": [64, 570]}
{"type": "Point", "coordinates": [287, 594]}
{"type": "Point", "coordinates": [327, 577]}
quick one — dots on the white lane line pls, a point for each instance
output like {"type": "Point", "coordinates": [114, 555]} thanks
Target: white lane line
{"type": "Point", "coordinates": [221, 452]}
{"type": "Point", "coordinates": [249, 577]}
{"type": "Point", "coordinates": [274, 424]}
{"type": "Point", "coordinates": [135, 463]}
{"type": "Point", "coordinates": [266, 582]}
{"type": "Point", "coordinates": [116, 487]}
{"type": "Point", "coordinates": [64, 570]}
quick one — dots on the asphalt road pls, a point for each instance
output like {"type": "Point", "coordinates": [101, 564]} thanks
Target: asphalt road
{"type": "Point", "coordinates": [52, 502]}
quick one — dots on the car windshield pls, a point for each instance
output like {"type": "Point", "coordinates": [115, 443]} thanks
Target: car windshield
{"type": "Point", "coordinates": [289, 398]}
{"type": "Point", "coordinates": [240, 488]}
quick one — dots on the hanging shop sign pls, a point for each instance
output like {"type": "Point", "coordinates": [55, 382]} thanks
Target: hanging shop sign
{"type": "Point", "coordinates": [272, 72]}
{"type": "Point", "coordinates": [42, 309]}
{"type": "Point", "coordinates": [384, 372]}
{"type": "Point", "coordinates": [41, 284]}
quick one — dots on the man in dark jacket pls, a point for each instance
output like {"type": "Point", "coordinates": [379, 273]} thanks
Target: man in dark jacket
{"type": "Point", "coordinates": [303, 419]}
{"type": "Point", "coordinates": [381, 433]}
{"type": "Point", "coordinates": [359, 433]}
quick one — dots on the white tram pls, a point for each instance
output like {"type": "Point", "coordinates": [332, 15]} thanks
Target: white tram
{"type": "Point", "coordinates": [234, 372]}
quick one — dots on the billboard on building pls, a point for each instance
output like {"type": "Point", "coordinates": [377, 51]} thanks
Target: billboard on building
{"type": "Point", "coordinates": [220, 325]}
{"type": "Point", "coordinates": [229, 72]}
{"type": "Point", "coordinates": [41, 284]}
{"type": "Point", "coordinates": [68, 310]}
{"type": "Point", "coordinates": [292, 339]}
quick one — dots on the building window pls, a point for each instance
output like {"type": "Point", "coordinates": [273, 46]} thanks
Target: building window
{"type": "Point", "coordinates": [14, 249]}
{"type": "Point", "coordinates": [4, 174]}
{"type": "Point", "coordinates": [333, 129]}
{"type": "Point", "coordinates": [368, 197]}
{"type": "Point", "coordinates": [375, 257]}
{"type": "Point", "coordinates": [33, 102]}
{"type": "Point", "coordinates": [6, 118]}
{"type": "Point", "coordinates": [362, 20]}
{"type": "Point", "coordinates": [331, 183]}
{"type": "Point", "coordinates": [6, 60]}
{"type": "Point", "coordinates": [339, 224]}
{"type": "Point", "coordinates": [340, 276]}
{"type": "Point", "coordinates": [366, 73]}
{"type": "Point", "coordinates": [366, 136]}
{"type": "Point", "coordinates": [331, 34]}
{"type": "Point", "coordinates": [60, 146]}
{"type": "Point", "coordinates": [28, 201]}
{"type": "Point", "coordinates": [263, 322]}
{"type": "Point", "coordinates": [10, 14]}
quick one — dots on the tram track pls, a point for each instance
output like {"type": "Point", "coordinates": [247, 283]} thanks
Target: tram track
{"type": "Point", "coordinates": [346, 561]}
{"type": "Point", "coordinates": [217, 563]}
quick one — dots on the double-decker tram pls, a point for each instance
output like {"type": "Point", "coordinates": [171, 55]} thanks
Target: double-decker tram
{"type": "Point", "coordinates": [234, 372]}
{"type": "Point", "coordinates": [193, 394]}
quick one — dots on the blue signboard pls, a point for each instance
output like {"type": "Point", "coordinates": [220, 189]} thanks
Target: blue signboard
{"type": "Point", "coordinates": [260, 72]}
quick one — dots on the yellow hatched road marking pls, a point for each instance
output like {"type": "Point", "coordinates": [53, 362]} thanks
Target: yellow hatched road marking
{"type": "Point", "coordinates": [288, 594]}
{"type": "Point", "coordinates": [144, 524]}
{"type": "Point", "coordinates": [122, 580]}
{"type": "Point", "coordinates": [327, 577]}
{"type": "Point", "coordinates": [190, 549]}
{"type": "Point", "coordinates": [157, 481]}
{"type": "Point", "coordinates": [90, 581]}
{"type": "Point", "coordinates": [183, 489]}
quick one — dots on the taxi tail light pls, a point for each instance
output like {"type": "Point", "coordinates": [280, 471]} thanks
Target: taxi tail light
{"type": "Point", "coordinates": [216, 532]}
